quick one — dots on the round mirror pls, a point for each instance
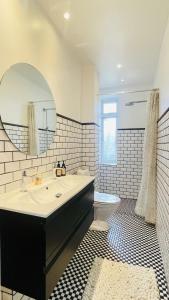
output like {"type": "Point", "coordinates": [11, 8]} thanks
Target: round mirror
{"type": "Point", "coordinates": [28, 112]}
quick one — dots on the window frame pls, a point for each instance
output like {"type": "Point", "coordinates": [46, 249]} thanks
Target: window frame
{"type": "Point", "coordinates": [104, 116]}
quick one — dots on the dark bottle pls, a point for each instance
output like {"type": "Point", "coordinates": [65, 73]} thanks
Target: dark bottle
{"type": "Point", "coordinates": [63, 169]}
{"type": "Point", "coordinates": [58, 165]}
{"type": "Point", "coordinates": [58, 170]}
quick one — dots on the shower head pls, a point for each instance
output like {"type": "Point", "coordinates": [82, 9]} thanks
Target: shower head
{"type": "Point", "coordinates": [131, 103]}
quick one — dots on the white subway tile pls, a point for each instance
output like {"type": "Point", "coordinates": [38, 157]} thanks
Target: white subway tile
{"type": "Point", "coordinates": [6, 178]}
{"type": "Point", "coordinates": [11, 166]}
{"type": "Point", "coordinates": [9, 146]}
{"type": "Point", "coordinates": [25, 164]}
{"type": "Point", "coordinates": [5, 156]}
{"type": "Point", "coordinates": [19, 156]}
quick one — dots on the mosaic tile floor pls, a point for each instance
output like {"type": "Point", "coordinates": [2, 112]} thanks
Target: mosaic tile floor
{"type": "Point", "coordinates": [129, 239]}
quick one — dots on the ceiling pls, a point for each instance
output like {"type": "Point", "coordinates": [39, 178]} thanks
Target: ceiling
{"type": "Point", "coordinates": [111, 32]}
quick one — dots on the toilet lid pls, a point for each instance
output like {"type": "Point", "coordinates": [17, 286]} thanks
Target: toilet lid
{"type": "Point", "coordinates": [104, 198]}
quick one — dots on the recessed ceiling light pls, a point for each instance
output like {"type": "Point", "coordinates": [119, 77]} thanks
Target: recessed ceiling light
{"type": "Point", "coordinates": [119, 66]}
{"type": "Point", "coordinates": [66, 15]}
{"type": "Point", "coordinates": [122, 80]}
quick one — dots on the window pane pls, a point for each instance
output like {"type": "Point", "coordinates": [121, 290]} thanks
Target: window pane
{"type": "Point", "coordinates": [109, 141]}
{"type": "Point", "coordinates": [109, 107]}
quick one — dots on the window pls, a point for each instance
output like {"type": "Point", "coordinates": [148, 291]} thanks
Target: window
{"type": "Point", "coordinates": [108, 131]}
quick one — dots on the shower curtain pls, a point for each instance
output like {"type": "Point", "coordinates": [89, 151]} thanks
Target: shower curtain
{"type": "Point", "coordinates": [146, 202]}
{"type": "Point", "coordinates": [33, 138]}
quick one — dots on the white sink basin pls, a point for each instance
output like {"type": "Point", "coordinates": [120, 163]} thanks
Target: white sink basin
{"type": "Point", "coordinates": [55, 189]}
{"type": "Point", "coordinates": [44, 199]}
{"type": "Point", "coordinates": [50, 192]}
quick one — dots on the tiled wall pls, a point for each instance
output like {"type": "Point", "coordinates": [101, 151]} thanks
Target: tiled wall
{"type": "Point", "coordinates": [163, 189]}
{"type": "Point", "coordinates": [67, 146]}
{"type": "Point", "coordinates": [77, 144]}
{"type": "Point", "coordinates": [45, 139]}
{"type": "Point", "coordinates": [19, 135]}
{"type": "Point", "coordinates": [124, 178]}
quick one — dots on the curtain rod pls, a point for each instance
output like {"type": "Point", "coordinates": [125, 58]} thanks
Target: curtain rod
{"type": "Point", "coordinates": [125, 92]}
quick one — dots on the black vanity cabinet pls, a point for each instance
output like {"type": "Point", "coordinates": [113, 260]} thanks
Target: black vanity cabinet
{"type": "Point", "coordinates": [35, 251]}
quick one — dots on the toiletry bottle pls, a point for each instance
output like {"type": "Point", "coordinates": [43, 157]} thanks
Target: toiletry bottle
{"type": "Point", "coordinates": [58, 170]}
{"type": "Point", "coordinates": [38, 179]}
{"type": "Point", "coordinates": [23, 183]}
{"type": "Point", "coordinates": [63, 169]}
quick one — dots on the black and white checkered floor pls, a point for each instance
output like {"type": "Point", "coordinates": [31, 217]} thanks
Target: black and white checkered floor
{"type": "Point", "coordinates": [129, 239]}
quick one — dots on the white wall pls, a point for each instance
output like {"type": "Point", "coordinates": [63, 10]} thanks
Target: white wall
{"type": "Point", "coordinates": [28, 36]}
{"type": "Point", "coordinates": [162, 75]}
{"type": "Point", "coordinates": [130, 116]}
{"type": "Point", "coordinates": [90, 90]}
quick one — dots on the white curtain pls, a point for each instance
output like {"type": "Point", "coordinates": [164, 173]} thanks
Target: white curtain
{"type": "Point", "coordinates": [146, 202]}
{"type": "Point", "coordinates": [33, 138]}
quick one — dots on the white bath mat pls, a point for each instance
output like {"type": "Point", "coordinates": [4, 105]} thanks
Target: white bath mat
{"type": "Point", "coordinates": [109, 280]}
{"type": "Point", "coordinates": [99, 226]}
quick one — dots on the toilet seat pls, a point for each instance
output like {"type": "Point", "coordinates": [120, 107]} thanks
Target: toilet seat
{"type": "Point", "coordinates": [105, 199]}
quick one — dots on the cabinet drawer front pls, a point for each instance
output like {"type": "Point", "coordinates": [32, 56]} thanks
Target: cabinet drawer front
{"type": "Point", "coordinates": [65, 222]}
{"type": "Point", "coordinates": [58, 267]}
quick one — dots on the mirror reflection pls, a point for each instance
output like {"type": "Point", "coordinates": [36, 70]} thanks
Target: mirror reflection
{"type": "Point", "coordinates": [28, 111]}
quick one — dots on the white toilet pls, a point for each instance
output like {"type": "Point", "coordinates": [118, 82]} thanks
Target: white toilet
{"type": "Point", "coordinates": [105, 205]}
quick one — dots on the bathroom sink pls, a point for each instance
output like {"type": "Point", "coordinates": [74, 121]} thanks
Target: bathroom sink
{"type": "Point", "coordinates": [40, 195]}
{"type": "Point", "coordinates": [44, 199]}
{"type": "Point", "coordinates": [48, 193]}
{"type": "Point", "coordinates": [53, 190]}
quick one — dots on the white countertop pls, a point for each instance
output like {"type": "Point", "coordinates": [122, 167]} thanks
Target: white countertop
{"type": "Point", "coordinates": [41, 200]}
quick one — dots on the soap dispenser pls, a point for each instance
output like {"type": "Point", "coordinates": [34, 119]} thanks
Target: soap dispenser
{"type": "Point", "coordinates": [63, 169]}
{"type": "Point", "coordinates": [58, 171]}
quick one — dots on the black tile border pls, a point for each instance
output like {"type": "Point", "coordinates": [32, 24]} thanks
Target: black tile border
{"type": "Point", "coordinates": [78, 122]}
{"type": "Point", "coordinates": [164, 113]}
{"type": "Point", "coordinates": [12, 124]}
{"type": "Point", "coordinates": [67, 118]}
{"type": "Point", "coordinates": [130, 128]}
{"type": "Point", "coordinates": [90, 123]}
{"type": "Point", "coordinates": [160, 124]}
{"type": "Point", "coordinates": [24, 126]}
{"type": "Point", "coordinates": [48, 130]}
